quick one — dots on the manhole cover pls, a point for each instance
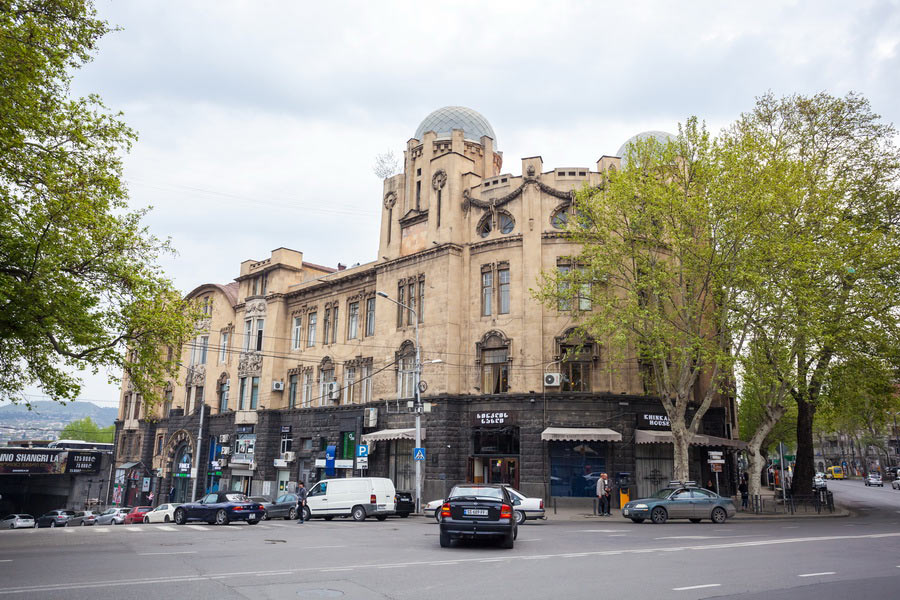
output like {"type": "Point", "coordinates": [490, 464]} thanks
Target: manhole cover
{"type": "Point", "coordinates": [320, 593]}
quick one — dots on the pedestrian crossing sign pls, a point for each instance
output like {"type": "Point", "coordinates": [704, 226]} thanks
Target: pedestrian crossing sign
{"type": "Point", "coordinates": [419, 453]}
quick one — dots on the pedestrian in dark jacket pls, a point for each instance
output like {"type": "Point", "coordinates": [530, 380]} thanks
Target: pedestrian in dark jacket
{"type": "Point", "coordinates": [301, 502]}
{"type": "Point", "coordinates": [745, 493]}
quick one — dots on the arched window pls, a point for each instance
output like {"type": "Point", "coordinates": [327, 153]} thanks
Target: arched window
{"type": "Point", "coordinates": [485, 226]}
{"type": "Point", "coordinates": [506, 223]}
{"type": "Point", "coordinates": [560, 218]}
{"type": "Point", "coordinates": [493, 354]}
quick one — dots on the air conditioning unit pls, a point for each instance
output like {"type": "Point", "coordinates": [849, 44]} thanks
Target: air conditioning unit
{"type": "Point", "coordinates": [226, 451]}
{"type": "Point", "coordinates": [223, 462]}
{"type": "Point", "coordinates": [289, 456]}
{"type": "Point", "coordinates": [371, 417]}
{"type": "Point", "coordinates": [223, 439]}
{"type": "Point", "coordinates": [277, 386]}
{"type": "Point", "coordinates": [333, 390]}
{"type": "Point", "coordinates": [552, 379]}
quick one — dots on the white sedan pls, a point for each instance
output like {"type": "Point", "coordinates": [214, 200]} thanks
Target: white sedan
{"type": "Point", "coordinates": [525, 507]}
{"type": "Point", "coordinates": [164, 513]}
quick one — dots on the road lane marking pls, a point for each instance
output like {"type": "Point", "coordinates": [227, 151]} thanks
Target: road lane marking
{"type": "Point", "coordinates": [614, 535]}
{"type": "Point", "coordinates": [6, 560]}
{"type": "Point", "coordinates": [166, 553]}
{"type": "Point", "coordinates": [603, 530]}
{"type": "Point", "coordinates": [392, 566]}
{"type": "Point", "coordinates": [696, 587]}
{"type": "Point", "coordinates": [168, 528]}
{"type": "Point", "coordinates": [133, 529]}
{"type": "Point", "coordinates": [816, 574]}
{"type": "Point", "coordinates": [197, 527]}
{"type": "Point", "coordinates": [57, 587]}
{"type": "Point", "coordinates": [276, 573]}
{"type": "Point", "coordinates": [67, 530]}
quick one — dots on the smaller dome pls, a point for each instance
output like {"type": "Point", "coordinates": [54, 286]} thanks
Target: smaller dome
{"type": "Point", "coordinates": [662, 137]}
{"type": "Point", "coordinates": [444, 120]}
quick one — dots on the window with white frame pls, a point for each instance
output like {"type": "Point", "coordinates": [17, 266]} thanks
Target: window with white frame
{"type": "Point", "coordinates": [254, 393]}
{"type": "Point", "coordinates": [223, 346]}
{"type": "Point", "coordinates": [326, 325]}
{"type": "Point", "coordinates": [311, 330]}
{"type": "Point", "coordinates": [351, 386]}
{"type": "Point", "coordinates": [370, 317]}
{"type": "Point", "coordinates": [406, 375]}
{"type": "Point", "coordinates": [244, 393]}
{"type": "Point", "coordinates": [487, 292]}
{"type": "Point", "coordinates": [223, 395]}
{"type": "Point", "coordinates": [248, 333]}
{"type": "Point", "coordinates": [260, 328]}
{"type": "Point", "coordinates": [326, 378]}
{"type": "Point", "coordinates": [334, 329]}
{"type": "Point", "coordinates": [503, 276]}
{"type": "Point", "coordinates": [307, 389]}
{"type": "Point", "coordinates": [353, 321]}
{"type": "Point", "coordinates": [292, 391]}
{"type": "Point", "coordinates": [365, 384]}
{"type": "Point", "coordinates": [295, 335]}
{"type": "Point", "coordinates": [287, 442]}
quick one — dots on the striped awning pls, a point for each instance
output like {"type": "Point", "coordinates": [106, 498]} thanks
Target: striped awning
{"type": "Point", "coordinates": [392, 434]}
{"type": "Point", "coordinates": [580, 434]}
{"type": "Point", "coordinates": [646, 436]}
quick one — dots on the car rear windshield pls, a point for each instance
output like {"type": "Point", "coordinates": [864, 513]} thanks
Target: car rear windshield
{"type": "Point", "coordinates": [490, 493]}
{"type": "Point", "coordinates": [236, 498]}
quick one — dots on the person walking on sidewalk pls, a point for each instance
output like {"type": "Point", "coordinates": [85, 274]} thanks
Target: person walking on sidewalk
{"type": "Point", "coordinates": [745, 493]}
{"type": "Point", "coordinates": [603, 491]}
{"type": "Point", "coordinates": [301, 502]}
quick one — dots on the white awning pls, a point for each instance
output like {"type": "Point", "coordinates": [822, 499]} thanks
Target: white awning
{"type": "Point", "coordinates": [580, 434]}
{"type": "Point", "coordinates": [644, 436]}
{"type": "Point", "coordinates": [392, 434]}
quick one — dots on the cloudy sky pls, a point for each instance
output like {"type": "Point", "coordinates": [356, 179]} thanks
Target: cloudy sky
{"type": "Point", "coordinates": [259, 122]}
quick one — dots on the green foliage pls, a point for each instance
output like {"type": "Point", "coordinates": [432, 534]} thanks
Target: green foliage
{"type": "Point", "coordinates": [85, 429]}
{"type": "Point", "coordinates": [79, 279]}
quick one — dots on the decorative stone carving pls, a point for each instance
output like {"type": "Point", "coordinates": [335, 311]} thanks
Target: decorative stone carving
{"type": "Point", "coordinates": [390, 199]}
{"type": "Point", "coordinates": [530, 171]}
{"type": "Point", "coordinates": [439, 179]}
{"type": "Point", "coordinates": [495, 203]}
{"type": "Point", "coordinates": [196, 376]}
{"type": "Point", "coordinates": [249, 364]}
{"type": "Point", "coordinates": [255, 308]}
{"type": "Point", "coordinates": [202, 324]}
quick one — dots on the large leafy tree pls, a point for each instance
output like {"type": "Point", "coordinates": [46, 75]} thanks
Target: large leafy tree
{"type": "Point", "coordinates": [85, 429]}
{"type": "Point", "coordinates": [662, 245]}
{"type": "Point", "coordinates": [79, 281]}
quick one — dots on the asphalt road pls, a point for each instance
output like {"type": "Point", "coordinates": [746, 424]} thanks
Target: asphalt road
{"type": "Point", "coordinates": [820, 558]}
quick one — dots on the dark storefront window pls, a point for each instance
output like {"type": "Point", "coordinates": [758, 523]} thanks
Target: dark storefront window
{"type": "Point", "coordinates": [496, 440]}
{"type": "Point", "coordinates": [575, 468]}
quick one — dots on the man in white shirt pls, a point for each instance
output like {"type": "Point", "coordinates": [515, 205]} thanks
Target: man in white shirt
{"type": "Point", "coordinates": [603, 490]}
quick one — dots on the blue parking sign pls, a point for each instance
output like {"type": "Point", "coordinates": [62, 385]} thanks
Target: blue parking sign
{"type": "Point", "coordinates": [362, 450]}
{"type": "Point", "coordinates": [419, 453]}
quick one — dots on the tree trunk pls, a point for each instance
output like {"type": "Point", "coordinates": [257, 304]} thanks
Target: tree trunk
{"type": "Point", "coordinates": [771, 417]}
{"type": "Point", "coordinates": [680, 443]}
{"type": "Point", "coordinates": [804, 469]}
{"type": "Point", "coordinates": [757, 463]}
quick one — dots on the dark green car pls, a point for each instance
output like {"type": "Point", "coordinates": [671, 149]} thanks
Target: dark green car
{"type": "Point", "coordinates": [680, 502]}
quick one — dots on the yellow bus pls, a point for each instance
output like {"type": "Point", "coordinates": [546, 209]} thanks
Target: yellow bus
{"type": "Point", "coordinates": [834, 472]}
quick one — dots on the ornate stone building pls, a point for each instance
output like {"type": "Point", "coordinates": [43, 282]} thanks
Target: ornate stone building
{"type": "Point", "coordinates": [295, 358]}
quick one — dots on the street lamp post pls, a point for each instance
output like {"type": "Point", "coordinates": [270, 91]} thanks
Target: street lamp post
{"type": "Point", "coordinates": [418, 401]}
{"type": "Point", "coordinates": [198, 450]}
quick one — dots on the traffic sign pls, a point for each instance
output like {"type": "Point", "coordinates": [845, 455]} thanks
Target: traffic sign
{"type": "Point", "coordinates": [362, 462]}
{"type": "Point", "coordinates": [419, 453]}
{"type": "Point", "coordinates": [716, 461]}
{"type": "Point", "coordinates": [716, 468]}
{"type": "Point", "coordinates": [362, 450]}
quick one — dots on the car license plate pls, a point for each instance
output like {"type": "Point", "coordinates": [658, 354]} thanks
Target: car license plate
{"type": "Point", "coordinates": [475, 512]}
{"type": "Point", "coordinates": [380, 506]}
{"type": "Point", "coordinates": [252, 515]}
{"type": "Point", "coordinates": [625, 512]}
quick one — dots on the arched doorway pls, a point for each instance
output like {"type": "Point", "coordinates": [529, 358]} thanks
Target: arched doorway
{"type": "Point", "coordinates": [181, 474]}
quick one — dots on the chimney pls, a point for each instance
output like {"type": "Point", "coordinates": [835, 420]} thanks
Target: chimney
{"type": "Point", "coordinates": [341, 267]}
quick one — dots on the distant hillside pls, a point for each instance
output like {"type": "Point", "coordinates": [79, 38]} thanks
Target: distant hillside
{"type": "Point", "coordinates": [54, 412]}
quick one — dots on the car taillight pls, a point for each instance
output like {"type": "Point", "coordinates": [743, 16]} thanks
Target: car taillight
{"type": "Point", "coordinates": [542, 505]}
{"type": "Point", "coordinates": [445, 510]}
{"type": "Point", "coordinates": [372, 499]}
{"type": "Point", "coordinates": [506, 511]}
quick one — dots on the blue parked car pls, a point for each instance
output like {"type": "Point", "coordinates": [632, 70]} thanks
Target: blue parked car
{"type": "Point", "coordinates": [680, 501]}
{"type": "Point", "coordinates": [220, 508]}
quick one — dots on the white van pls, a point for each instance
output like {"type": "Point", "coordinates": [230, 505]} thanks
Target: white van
{"type": "Point", "coordinates": [357, 497]}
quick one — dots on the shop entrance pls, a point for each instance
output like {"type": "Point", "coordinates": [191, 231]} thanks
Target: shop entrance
{"type": "Point", "coordinates": [181, 474]}
{"type": "Point", "coordinates": [483, 469]}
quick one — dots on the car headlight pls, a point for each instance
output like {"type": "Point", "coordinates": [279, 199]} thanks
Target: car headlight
{"type": "Point", "coordinates": [640, 506]}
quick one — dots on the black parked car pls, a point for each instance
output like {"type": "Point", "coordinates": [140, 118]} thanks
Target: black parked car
{"type": "Point", "coordinates": [55, 518]}
{"type": "Point", "coordinates": [284, 506]}
{"type": "Point", "coordinates": [404, 504]}
{"type": "Point", "coordinates": [475, 511]}
{"type": "Point", "coordinates": [220, 508]}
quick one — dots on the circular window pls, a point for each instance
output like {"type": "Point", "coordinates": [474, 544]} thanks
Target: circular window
{"type": "Point", "coordinates": [560, 219]}
{"type": "Point", "coordinates": [507, 223]}
{"type": "Point", "coordinates": [484, 228]}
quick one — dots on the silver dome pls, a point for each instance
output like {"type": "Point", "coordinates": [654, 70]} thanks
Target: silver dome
{"type": "Point", "coordinates": [444, 120]}
{"type": "Point", "coordinates": [662, 137]}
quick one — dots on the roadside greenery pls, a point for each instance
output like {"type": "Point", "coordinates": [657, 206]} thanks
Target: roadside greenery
{"type": "Point", "coordinates": [85, 429]}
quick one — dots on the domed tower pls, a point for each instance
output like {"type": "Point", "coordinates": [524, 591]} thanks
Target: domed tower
{"type": "Point", "coordinates": [662, 137]}
{"type": "Point", "coordinates": [454, 147]}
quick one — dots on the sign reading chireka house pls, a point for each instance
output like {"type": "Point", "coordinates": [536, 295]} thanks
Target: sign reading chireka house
{"type": "Point", "coordinates": [653, 420]}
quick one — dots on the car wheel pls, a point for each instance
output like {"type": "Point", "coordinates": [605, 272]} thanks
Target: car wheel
{"type": "Point", "coordinates": [446, 542]}
{"type": "Point", "coordinates": [694, 520]}
{"type": "Point", "coordinates": [328, 517]}
{"type": "Point", "coordinates": [437, 514]}
{"type": "Point", "coordinates": [507, 542]}
{"type": "Point", "coordinates": [82, 523]}
{"type": "Point", "coordinates": [292, 515]}
{"type": "Point", "coordinates": [166, 519]}
{"type": "Point", "coordinates": [659, 515]}
{"type": "Point", "coordinates": [306, 514]}
{"type": "Point", "coordinates": [359, 513]}
{"type": "Point", "coordinates": [637, 520]}
{"type": "Point", "coordinates": [719, 515]}
{"type": "Point", "coordinates": [520, 517]}
{"type": "Point", "coordinates": [221, 517]}
{"type": "Point", "coordinates": [180, 517]}
{"type": "Point", "coordinates": [265, 516]}
{"type": "Point", "coordinates": [52, 523]}
{"type": "Point", "coordinates": [146, 521]}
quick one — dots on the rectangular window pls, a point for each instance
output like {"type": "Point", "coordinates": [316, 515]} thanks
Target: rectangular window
{"type": "Point", "coordinates": [137, 407]}
{"type": "Point", "coordinates": [487, 293]}
{"type": "Point", "coordinates": [503, 276]}
{"type": "Point", "coordinates": [334, 323]}
{"type": "Point", "coordinates": [254, 393]}
{"type": "Point", "coordinates": [248, 333]}
{"type": "Point", "coordinates": [292, 392]}
{"type": "Point", "coordinates": [204, 347]}
{"type": "Point", "coordinates": [350, 385]}
{"type": "Point", "coordinates": [353, 321]}
{"type": "Point", "coordinates": [370, 316]}
{"type": "Point", "coordinates": [327, 326]}
{"type": "Point", "coordinates": [242, 398]}
{"type": "Point", "coordinates": [223, 347]}
{"type": "Point", "coordinates": [167, 405]}
{"type": "Point", "coordinates": [564, 301]}
{"type": "Point", "coordinates": [421, 301]}
{"type": "Point", "coordinates": [307, 390]}
{"type": "Point", "coordinates": [401, 289]}
{"type": "Point", "coordinates": [495, 365]}
{"type": "Point", "coordinates": [406, 377]}
{"type": "Point", "coordinates": [260, 326]}
{"type": "Point", "coordinates": [327, 376]}
{"type": "Point", "coordinates": [411, 314]}
{"type": "Point", "coordinates": [159, 444]}
{"type": "Point", "coordinates": [295, 336]}
{"type": "Point", "coordinates": [311, 330]}
{"type": "Point", "coordinates": [223, 397]}
{"type": "Point", "coordinates": [255, 286]}
{"type": "Point", "coordinates": [264, 284]}
{"type": "Point", "coordinates": [418, 194]}
{"type": "Point", "coordinates": [584, 291]}
{"type": "Point", "coordinates": [287, 442]}
{"type": "Point", "coordinates": [366, 384]}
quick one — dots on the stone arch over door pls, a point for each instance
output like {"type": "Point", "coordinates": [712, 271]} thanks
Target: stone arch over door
{"type": "Point", "coordinates": [176, 441]}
